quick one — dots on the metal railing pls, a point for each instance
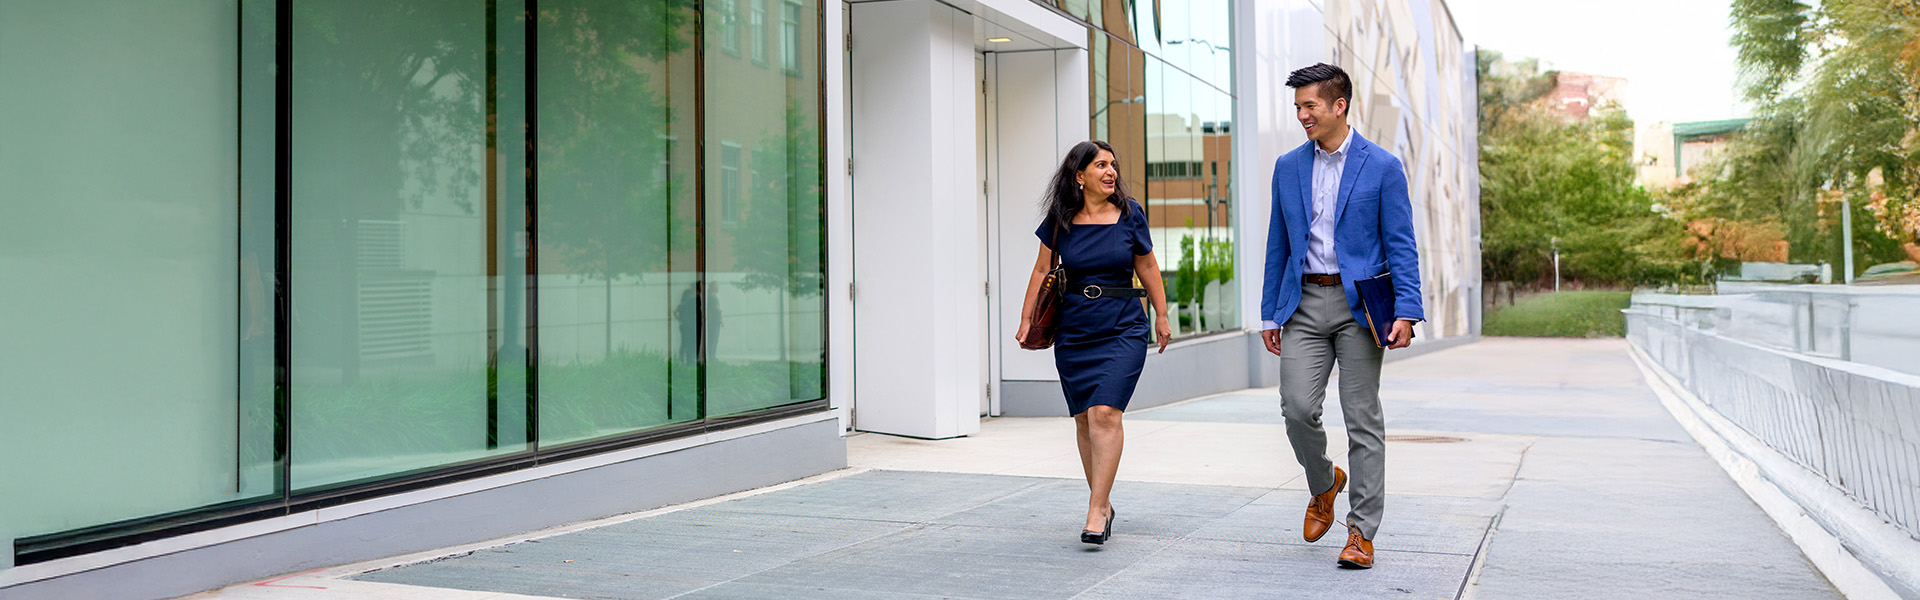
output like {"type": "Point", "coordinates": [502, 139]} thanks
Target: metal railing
{"type": "Point", "coordinates": [1777, 363]}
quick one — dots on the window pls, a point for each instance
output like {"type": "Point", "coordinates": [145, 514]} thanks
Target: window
{"type": "Point", "coordinates": [764, 279]}
{"type": "Point", "coordinates": [458, 297]}
{"type": "Point", "coordinates": [790, 38]}
{"type": "Point", "coordinates": [757, 28]}
{"type": "Point", "coordinates": [1188, 169]}
{"type": "Point", "coordinates": [729, 24]}
{"type": "Point", "coordinates": [730, 203]}
{"type": "Point", "coordinates": [138, 261]}
{"type": "Point", "coordinates": [618, 322]}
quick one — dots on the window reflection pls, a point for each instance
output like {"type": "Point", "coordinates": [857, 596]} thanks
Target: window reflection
{"type": "Point", "coordinates": [757, 31]}
{"type": "Point", "coordinates": [617, 255]}
{"type": "Point", "coordinates": [1163, 103]}
{"type": "Point", "coordinates": [765, 336]}
{"type": "Point", "coordinates": [390, 331]}
{"type": "Point", "coordinates": [139, 361]}
{"type": "Point", "coordinates": [456, 258]}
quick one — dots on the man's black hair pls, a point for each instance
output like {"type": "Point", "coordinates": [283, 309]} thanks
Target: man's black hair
{"type": "Point", "coordinates": [1337, 84]}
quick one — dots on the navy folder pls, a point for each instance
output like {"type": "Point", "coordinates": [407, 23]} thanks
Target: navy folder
{"type": "Point", "coordinates": [1376, 303]}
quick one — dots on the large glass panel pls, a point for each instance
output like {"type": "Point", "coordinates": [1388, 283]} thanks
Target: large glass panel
{"type": "Point", "coordinates": [1212, 48]}
{"type": "Point", "coordinates": [1107, 80]}
{"type": "Point", "coordinates": [1219, 305]}
{"type": "Point", "coordinates": [1176, 24]}
{"type": "Point", "coordinates": [391, 326]}
{"type": "Point", "coordinates": [136, 249]}
{"type": "Point", "coordinates": [765, 339]}
{"type": "Point", "coordinates": [1166, 181]}
{"type": "Point", "coordinates": [1159, 124]}
{"type": "Point", "coordinates": [1127, 124]}
{"type": "Point", "coordinates": [1149, 23]}
{"type": "Point", "coordinates": [1189, 144]}
{"type": "Point", "coordinates": [1080, 8]}
{"type": "Point", "coordinates": [1115, 17]}
{"type": "Point", "coordinates": [618, 307]}
{"type": "Point", "coordinates": [509, 247]}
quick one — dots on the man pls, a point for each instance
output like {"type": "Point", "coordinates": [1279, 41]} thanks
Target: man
{"type": "Point", "coordinates": [1340, 214]}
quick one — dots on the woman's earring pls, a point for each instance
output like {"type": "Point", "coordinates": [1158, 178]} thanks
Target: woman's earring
{"type": "Point", "coordinates": [1083, 187]}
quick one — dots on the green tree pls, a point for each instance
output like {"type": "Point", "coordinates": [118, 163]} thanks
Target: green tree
{"type": "Point", "coordinates": [1550, 182]}
{"type": "Point", "coordinates": [785, 210]}
{"type": "Point", "coordinates": [1836, 118]}
{"type": "Point", "coordinates": [615, 202]}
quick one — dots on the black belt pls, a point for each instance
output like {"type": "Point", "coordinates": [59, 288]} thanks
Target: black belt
{"type": "Point", "coordinates": [1322, 280]}
{"type": "Point", "coordinates": [1101, 291]}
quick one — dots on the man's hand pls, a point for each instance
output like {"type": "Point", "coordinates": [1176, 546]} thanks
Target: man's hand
{"type": "Point", "coordinates": [1272, 338]}
{"type": "Point", "coordinates": [1401, 337]}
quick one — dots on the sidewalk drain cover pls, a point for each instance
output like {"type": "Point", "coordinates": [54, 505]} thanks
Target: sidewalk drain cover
{"type": "Point", "coordinates": [1425, 439]}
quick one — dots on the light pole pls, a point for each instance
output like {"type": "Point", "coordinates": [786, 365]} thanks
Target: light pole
{"type": "Point", "coordinates": [1846, 236]}
{"type": "Point", "coordinates": [1556, 265]}
{"type": "Point", "coordinates": [1210, 47]}
{"type": "Point", "coordinates": [1110, 103]}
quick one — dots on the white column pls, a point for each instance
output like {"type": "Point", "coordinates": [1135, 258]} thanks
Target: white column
{"type": "Point", "coordinates": [839, 226]}
{"type": "Point", "coordinates": [917, 241]}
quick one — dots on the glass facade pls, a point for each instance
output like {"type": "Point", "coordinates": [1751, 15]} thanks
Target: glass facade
{"type": "Point", "coordinates": [390, 329]}
{"type": "Point", "coordinates": [136, 176]}
{"type": "Point", "coordinates": [279, 250]}
{"type": "Point", "coordinates": [1162, 94]}
{"type": "Point", "coordinates": [765, 274]}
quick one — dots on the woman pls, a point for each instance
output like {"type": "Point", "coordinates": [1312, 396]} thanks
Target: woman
{"type": "Point", "coordinates": [1100, 346]}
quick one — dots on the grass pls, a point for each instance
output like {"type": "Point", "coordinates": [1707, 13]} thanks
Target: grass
{"type": "Point", "coordinates": [1586, 314]}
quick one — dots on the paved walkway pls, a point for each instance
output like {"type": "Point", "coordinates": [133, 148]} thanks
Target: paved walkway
{"type": "Point", "coordinates": [1516, 469]}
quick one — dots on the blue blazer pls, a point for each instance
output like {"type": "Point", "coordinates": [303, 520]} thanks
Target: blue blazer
{"type": "Point", "coordinates": [1372, 232]}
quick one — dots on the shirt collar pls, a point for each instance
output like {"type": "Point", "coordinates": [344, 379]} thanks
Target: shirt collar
{"type": "Point", "coordinates": [1340, 152]}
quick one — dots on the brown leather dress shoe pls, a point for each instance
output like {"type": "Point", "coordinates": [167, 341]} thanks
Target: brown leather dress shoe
{"type": "Point", "coordinates": [1320, 508]}
{"type": "Point", "coordinates": [1359, 551]}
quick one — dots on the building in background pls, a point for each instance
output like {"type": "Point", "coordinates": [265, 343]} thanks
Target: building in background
{"type": "Point", "coordinates": [1577, 95]}
{"type": "Point", "coordinates": [1668, 152]}
{"type": "Point", "coordinates": [313, 281]}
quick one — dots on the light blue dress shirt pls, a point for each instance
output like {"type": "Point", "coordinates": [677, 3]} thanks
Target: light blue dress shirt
{"type": "Point", "coordinates": [1327, 169]}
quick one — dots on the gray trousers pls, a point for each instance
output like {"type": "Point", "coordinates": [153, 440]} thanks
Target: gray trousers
{"type": "Point", "coordinates": [1321, 334]}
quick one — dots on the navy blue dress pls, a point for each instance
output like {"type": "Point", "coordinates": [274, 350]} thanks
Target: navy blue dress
{"type": "Point", "coordinates": [1102, 342]}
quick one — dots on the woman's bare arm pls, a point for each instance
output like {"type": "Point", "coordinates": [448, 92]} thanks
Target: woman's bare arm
{"type": "Point", "coordinates": [1147, 268]}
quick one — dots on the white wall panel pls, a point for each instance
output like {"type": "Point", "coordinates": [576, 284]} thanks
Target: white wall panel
{"type": "Point", "coordinates": [916, 243]}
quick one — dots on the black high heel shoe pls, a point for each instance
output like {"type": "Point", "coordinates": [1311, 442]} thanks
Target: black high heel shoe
{"type": "Point", "coordinates": [1089, 536]}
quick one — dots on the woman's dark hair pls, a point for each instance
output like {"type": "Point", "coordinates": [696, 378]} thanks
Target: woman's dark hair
{"type": "Point", "coordinates": [1063, 199]}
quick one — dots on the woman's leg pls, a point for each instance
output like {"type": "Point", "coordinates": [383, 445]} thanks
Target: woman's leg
{"type": "Point", "coordinates": [1085, 441]}
{"type": "Point", "coordinates": [1106, 437]}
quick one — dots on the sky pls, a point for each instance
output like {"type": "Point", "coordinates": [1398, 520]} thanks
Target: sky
{"type": "Point", "coordinates": [1673, 53]}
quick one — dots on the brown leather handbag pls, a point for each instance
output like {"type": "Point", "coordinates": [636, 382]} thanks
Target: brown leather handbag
{"type": "Point", "coordinates": [1044, 321]}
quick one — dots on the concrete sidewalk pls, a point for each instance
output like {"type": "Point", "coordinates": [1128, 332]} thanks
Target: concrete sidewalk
{"type": "Point", "coordinates": [1516, 469]}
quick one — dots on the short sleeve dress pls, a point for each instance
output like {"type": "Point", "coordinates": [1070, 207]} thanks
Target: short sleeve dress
{"type": "Point", "coordinates": [1101, 343]}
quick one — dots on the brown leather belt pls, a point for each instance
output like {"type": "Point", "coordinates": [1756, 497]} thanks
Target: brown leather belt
{"type": "Point", "coordinates": [1322, 280]}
